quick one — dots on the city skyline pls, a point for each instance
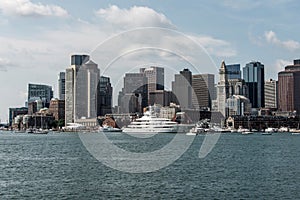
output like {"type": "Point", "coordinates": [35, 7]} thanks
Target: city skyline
{"type": "Point", "coordinates": [37, 42]}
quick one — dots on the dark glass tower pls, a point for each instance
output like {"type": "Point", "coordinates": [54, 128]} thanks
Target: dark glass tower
{"type": "Point", "coordinates": [254, 76]}
{"type": "Point", "coordinates": [233, 71]}
{"type": "Point", "coordinates": [104, 96]}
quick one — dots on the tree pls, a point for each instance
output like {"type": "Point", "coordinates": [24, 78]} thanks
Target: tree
{"type": "Point", "coordinates": [61, 123]}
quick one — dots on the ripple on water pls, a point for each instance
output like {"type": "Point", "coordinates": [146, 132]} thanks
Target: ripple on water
{"type": "Point", "coordinates": [58, 166]}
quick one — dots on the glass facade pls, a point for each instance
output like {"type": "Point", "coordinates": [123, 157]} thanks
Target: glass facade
{"type": "Point", "coordinates": [104, 96]}
{"type": "Point", "coordinates": [233, 71]}
{"type": "Point", "coordinates": [61, 85]}
{"type": "Point", "coordinates": [254, 76]}
{"type": "Point", "coordinates": [40, 92]}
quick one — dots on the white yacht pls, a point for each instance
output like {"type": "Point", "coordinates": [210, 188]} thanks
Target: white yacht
{"type": "Point", "coordinates": [107, 128]}
{"type": "Point", "coordinates": [269, 131]}
{"type": "Point", "coordinates": [150, 123]}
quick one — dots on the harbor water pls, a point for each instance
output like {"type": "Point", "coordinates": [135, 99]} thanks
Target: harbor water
{"type": "Point", "coordinates": [58, 166]}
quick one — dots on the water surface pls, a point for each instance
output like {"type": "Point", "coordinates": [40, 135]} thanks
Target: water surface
{"type": "Point", "coordinates": [240, 166]}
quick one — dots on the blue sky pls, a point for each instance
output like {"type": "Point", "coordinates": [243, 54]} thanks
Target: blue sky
{"type": "Point", "coordinates": [37, 38]}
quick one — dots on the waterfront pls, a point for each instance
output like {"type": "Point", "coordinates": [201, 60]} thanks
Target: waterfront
{"type": "Point", "coordinates": [58, 166]}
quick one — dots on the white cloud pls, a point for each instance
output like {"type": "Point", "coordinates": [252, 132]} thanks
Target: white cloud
{"type": "Point", "coordinates": [216, 47]}
{"type": "Point", "coordinates": [46, 55]}
{"type": "Point", "coordinates": [27, 8]}
{"type": "Point", "coordinates": [4, 63]}
{"type": "Point", "coordinates": [271, 38]}
{"type": "Point", "coordinates": [134, 17]}
{"type": "Point", "coordinates": [280, 64]}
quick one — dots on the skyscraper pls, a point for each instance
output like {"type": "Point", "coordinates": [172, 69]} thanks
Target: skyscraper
{"type": "Point", "coordinates": [222, 88]}
{"type": "Point", "coordinates": [182, 88]}
{"type": "Point", "coordinates": [271, 87]}
{"type": "Point", "coordinates": [155, 77]}
{"type": "Point", "coordinates": [61, 85]}
{"type": "Point", "coordinates": [203, 90]}
{"type": "Point", "coordinates": [104, 96]}
{"type": "Point", "coordinates": [82, 79]}
{"type": "Point", "coordinates": [289, 87]}
{"type": "Point", "coordinates": [254, 76]}
{"type": "Point", "coordinates": [40, 92]}
{"type": "Point", "coordinates": [234, 71]}
{"type": "Point", "coordinates": [134, 96]}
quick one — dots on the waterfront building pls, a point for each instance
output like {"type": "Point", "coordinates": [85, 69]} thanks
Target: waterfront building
{"type": "Point", "coordinates": [43, 120]}
{"type": "Point", "coordinates": [61, 85]}
{"type": "Point", "coordinates": [104, 96]}
{"type": "Point", "coordinates": [134, 96]}
{"type": "Point", "coordinates": [182, 88]}
{"type": "Point", "coordinates": [32, 108]}
{"type": "Point", "coordinates": [289, 87]}
{"type": "Point", "coordinates": [162, 97]}
{"type": "Point", "coordinates": [260, 123]}
{"type": "Point", "coordinates": [203, 90]}
{"type": "Point", "coordinates": [90, 123]}
{"type": "Point", "coordinates": [40, 92]}
{"type": "Point", "coordinates": [13, 112]}
{"type": "Point", "coordinates": [155, 79]}
{"type": "Point", "coordinates": [271, 87]}
{"type": "Point", "coordinates": [238, 105]}
{"type": "Point", "coordinates": [233, 71]}
{"type": "Point", "coordinates": [130, 103]}
{"type": "Point", "coordinates": [57, 108]}
{"type": "Point", "coordinates": [237, 87]}
{"type": "Point", "coordinates": [254, 76]}
{"type": "Point", "coordinates": [223, 90]}
{"type": "Point", "coordinates": [82, 79]}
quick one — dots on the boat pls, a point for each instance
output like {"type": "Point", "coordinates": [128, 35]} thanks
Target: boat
{"type": "Point", "coordinates": [296, 133]}
{"type": "Point", "coordinates": [293, 130]}
{"type": "Point", "coordinates": [283, 129]}
{"type": "Point", "coordinates": [40, 131]}
{"type": "Point", "coordinates": [197, 129]}
{"type": "Point", "coordinates": [218, 129]}
{"type": "Point", "coordinates": [244, 131]}
{"type": "Point", "coordinates": [30, 130]}
{"type": "Point", "coordinates": [19, 131]}
{"type": "Point", "coordinates": [106, 128]}
{"type": "Point", "coordinates": [191, 133]}
{"type": "Point", "coordinates": [267, 133]}
{"type": "Point", "coordinates": [150, 123]}
{"type": "Point", "coordinates": [247, 133]}
{"type": "Point", "coordinates": [36, 131]}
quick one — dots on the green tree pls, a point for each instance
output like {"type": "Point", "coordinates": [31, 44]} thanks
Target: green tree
{"type": "Point", "coordinates": [61, 123]}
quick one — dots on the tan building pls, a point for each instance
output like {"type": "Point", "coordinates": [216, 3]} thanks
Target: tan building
{"type": "Point", "coordinates": [57, 108]}
{"type": "Point", "coordinates": [289, 88]}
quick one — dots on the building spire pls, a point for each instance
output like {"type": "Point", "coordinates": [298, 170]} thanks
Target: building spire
{"type": "Point", "coordinates": [223, 65]}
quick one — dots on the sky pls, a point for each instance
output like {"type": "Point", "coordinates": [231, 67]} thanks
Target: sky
{"type": "Point", "coordinates": [37, 38]}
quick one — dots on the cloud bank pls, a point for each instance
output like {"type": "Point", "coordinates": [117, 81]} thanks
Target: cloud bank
{"type": "Point", "coordinates": [27, 8]}
{"type": "Point", "coordinates": [136, 16]}
{"type": "Point", "coordinates": [272, 38]}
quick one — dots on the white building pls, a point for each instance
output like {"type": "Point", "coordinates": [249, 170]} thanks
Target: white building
{"type": "Point", "coordinates": [155, 77]}
{"type": "Point", "coordinates": [271, 93]}
{"type": "Point", "coordinates": [82, 79]}
{"type": "Point", "coordinates": [222, 90]}
{"type": "Point", "coordinates": [238, 105]}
